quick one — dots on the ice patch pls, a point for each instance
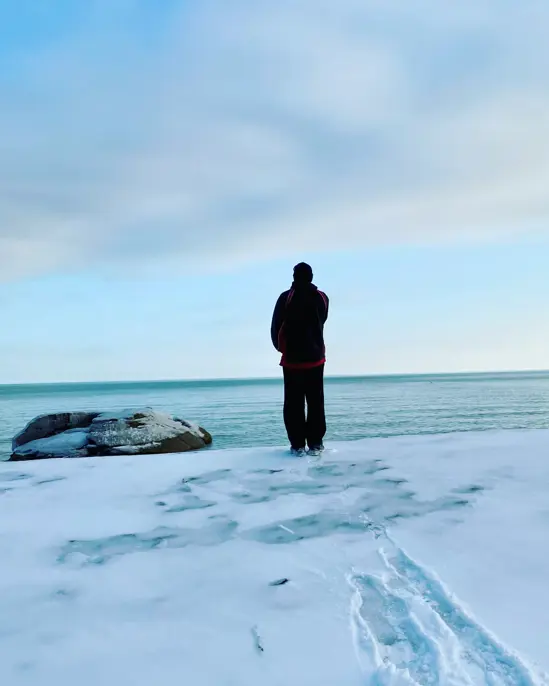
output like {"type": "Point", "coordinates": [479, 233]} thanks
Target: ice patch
{"type": "Point", "coordinates": [67, 443]}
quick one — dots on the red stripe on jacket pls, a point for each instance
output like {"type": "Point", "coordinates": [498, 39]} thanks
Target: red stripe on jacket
{"type": "Point", "coordinates": [302, 365]}
{"type": "Point", "coordinates": [323, 296]}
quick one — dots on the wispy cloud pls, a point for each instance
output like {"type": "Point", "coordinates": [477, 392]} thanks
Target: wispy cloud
{"type": "Point", "coordinates": [214, 130]}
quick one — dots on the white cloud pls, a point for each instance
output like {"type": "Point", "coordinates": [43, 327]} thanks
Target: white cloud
{"type": "Point", "coordinates": [237, 129]}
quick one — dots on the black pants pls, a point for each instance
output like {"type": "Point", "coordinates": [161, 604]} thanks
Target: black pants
{"type": "Point", "coordinates": [304, 386]}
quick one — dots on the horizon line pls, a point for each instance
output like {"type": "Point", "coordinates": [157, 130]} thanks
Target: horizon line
{"type": "Point", "coordinates": [206, 380]}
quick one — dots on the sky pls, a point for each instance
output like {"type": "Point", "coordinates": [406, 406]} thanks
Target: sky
{"type": "Point", "coordinates": [163, 165]}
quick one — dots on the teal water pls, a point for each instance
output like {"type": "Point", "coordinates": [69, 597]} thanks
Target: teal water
{"type": "Point", "coordinates": [248, 413]}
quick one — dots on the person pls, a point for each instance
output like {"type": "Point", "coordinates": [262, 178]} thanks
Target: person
{"type": "Point", "coordinates": [297, 331]}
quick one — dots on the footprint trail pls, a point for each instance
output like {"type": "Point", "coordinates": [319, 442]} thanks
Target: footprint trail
{"type": "Point", "coordinates": [407, 629]}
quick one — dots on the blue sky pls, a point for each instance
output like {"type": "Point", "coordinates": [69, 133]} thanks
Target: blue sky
{"type": "Point", "coordinates": [164, 165]}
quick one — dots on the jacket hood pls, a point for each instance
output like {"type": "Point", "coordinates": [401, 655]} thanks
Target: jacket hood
{"type": "Point", "coordinates": [303, 285]}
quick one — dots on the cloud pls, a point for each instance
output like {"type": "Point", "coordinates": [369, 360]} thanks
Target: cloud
{"type": "Point", "coordinates": [217, 131]}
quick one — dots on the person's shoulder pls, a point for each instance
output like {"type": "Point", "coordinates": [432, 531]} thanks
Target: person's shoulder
{"type": "Point", "coordinates": [283, 297]}
{"type": "Point", "coordinates": [323, 295]}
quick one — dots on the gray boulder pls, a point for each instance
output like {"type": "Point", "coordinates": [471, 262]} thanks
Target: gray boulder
{"type": "Point", "coordinates": [84, 434]}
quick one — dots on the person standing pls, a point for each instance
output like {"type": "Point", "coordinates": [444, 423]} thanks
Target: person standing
{"type": "Point", "coordinates": [297, 331]}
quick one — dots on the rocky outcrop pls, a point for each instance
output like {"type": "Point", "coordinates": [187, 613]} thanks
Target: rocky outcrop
{"type": "Point", "coordinates": [84, 434]}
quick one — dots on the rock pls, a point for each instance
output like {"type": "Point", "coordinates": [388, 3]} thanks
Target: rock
{"type": "Point", "coordinates": [84, 434]}
{"type": "Point", "coordinates": [145, 432]}
{"type": "Point", "coordinates": [279, 582]}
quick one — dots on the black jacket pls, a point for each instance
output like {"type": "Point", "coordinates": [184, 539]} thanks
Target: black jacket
{"type": "Point", "coordinates": [297, 329]}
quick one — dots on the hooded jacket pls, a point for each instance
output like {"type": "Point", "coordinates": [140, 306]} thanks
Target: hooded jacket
{"type": "Point", "coordinates": [297, 329]}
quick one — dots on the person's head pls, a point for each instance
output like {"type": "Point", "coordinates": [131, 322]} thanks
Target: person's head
{"type": "Point", "coordinates": [303, 273]}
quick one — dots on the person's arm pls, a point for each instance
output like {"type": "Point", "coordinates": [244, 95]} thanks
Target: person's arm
{"type": "Point", "coordinates": [325, 305]}
{"type": "Point", "coordinates": [278, 320]}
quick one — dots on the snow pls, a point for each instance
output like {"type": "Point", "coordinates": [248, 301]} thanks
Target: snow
{"type": "Point", "coordinates": [417, 560]}
{"type": "Point", "coordinates": [118, 432]}
{"type": "Point", "coordinates": [155, 427]}
{"type": "Point", "coordinates": [126, 413]}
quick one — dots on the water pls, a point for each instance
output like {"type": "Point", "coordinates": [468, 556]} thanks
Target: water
{"type": "Point", "coordinates": [248, 413]}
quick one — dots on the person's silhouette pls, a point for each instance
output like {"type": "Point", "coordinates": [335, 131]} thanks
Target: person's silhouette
{"type": "Point", "coordinates": [297, 331]}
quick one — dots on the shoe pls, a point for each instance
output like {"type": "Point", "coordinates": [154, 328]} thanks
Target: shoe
{"type": "Point", "coordinates": [315, 450]}
{"type": "Point", "coordinates": [297, 452]}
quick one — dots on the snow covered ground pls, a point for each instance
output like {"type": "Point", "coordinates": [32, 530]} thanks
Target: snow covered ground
{"type": "Point", "coordinates": [418, 560]}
